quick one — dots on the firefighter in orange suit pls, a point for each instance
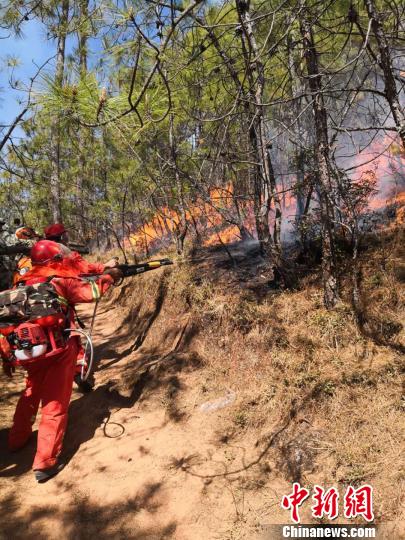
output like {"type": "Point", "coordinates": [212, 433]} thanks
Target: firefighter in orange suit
{"type": "Point", "coordinates": [58, 233]}
{"type": "Point", "coordinates": [49, 380]}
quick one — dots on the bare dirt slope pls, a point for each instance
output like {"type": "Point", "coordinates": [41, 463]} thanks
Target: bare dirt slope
{"type": "Point", "coordinates": [129, 446]}
{"type": "Point", "coordinates": [214, 392]}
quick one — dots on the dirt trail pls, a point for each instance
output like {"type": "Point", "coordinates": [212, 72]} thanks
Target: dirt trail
{"type": "Point", "coordinates": [139, 450]}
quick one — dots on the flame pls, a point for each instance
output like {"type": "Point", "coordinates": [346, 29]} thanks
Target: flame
{"type": "Point", "coordinates": [375, 171]}
{"type": "Point", "coordinates": [400, 217]}
{"type": "Point", "coordinates": [207, 215]}
{"type": "Point", "coordinates": [399, 202]}
{"type": "Point", "coordinates": [387, 165]}
{"type": "Point", "coordinates": [398, 199]}
{"type": "Point", "coordinates": [227, 235]}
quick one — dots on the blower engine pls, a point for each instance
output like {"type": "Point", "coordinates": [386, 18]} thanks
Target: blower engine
{"type": "Point", "coordinates": [42, 337]}
{"type": "Point", "coordinates": [31, 341]}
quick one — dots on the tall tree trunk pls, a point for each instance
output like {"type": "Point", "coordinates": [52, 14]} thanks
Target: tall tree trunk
{"type": "Point", "coordinates": [83, 134]}
{"type": "Point", "coordinates": [263, 188]}
{"type": "Point", "coordinates": [83, 36]}
{"type": "Point", "coordinates": [263, 174]}
{"type": "Point", "coordinates": [55, 142]}
{"type": "Point", "coordinates": [303, 185]}
{"type": "Point", "coordinates": [385, 61]}
{"type": "Point", "coordinates": [294, 112]}
{"type": "Point", "coordinates": [180, 228]}
{"type": "Point", "coordinates": [324, 170]}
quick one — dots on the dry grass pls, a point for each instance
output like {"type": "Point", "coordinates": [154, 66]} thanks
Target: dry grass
{"type": "Point", "coordinates": [289, 353]}
{"type": "Point", "coordinates": [335, 391]}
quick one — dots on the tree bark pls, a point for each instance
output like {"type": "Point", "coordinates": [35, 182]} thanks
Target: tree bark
{"type": "Point", "coordinates": [385, 61]}
{"type": "Point", "coordinates": [55, 181]}
{"type": "Point", "coordinates": [325, 183]}
{"type": "Point", "coordinates": [83, 135]}
{"type": "Point", "coordinates": [294, 113]}
{"type": "Point", "coordinates": [180, 228]}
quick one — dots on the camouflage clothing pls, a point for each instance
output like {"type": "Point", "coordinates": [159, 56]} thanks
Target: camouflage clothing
{"type": "Point", "coordinates": [8, 262]}
{"type": "Point", "coordinates": [6, 271]}
{"type": "Point", "coordinates": [29, 303]}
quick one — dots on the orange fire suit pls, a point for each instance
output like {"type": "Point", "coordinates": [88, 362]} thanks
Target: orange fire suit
{"type": "Point", "coordinates": [80, 265]}
{"type": "Point", "coordinates": [85, 267]}
{"type": "Point", "coordinates": [75, 265]}
{"type": "Point", "coordinates": [49, 381]}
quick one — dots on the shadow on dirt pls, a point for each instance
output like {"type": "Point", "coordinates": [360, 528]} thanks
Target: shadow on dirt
{"type": "Point", "coordinates": [81, 519]}
{"type": "Point", "coordinates": [189, 464]}
{"type": "Point", "coordinates": [136, 326]}
{"type": "Point", "coordinates": [16, 463]}
{"type": "Point", "coordinates": [90, 411]}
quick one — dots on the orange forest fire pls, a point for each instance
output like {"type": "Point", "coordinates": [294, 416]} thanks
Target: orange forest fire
{"type": "Point", "coordinates": [382, 165]}
{"type": "Point", "coordinates": [206, 215]}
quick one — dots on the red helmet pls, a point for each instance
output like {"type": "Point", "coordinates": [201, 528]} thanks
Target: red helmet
{"type": "Point", "coordinates": [54, 231]}
{"type": "Point", "coordinates": [25, 233]}
{"type": "Point", "coordinates": [46, 251]}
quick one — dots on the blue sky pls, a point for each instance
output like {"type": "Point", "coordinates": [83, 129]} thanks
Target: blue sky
{"type": "Point", "coordinates": [32, 46]}
{"type": "Point", "coordinates": [31, 50]}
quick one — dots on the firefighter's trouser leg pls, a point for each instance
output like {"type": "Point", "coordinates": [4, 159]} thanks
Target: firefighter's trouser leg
{"type": "Point", "coordinates": [56, 393]}
{"type": "Point", "coordinates": [53, 383]}
{"type": "Point", "coordinates": [26, 411]}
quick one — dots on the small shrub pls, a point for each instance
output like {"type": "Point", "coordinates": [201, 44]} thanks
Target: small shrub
{"type": "Point", "coordinates": [328, 388]}
{"type": "Point", "coordinates": [240, 419]}
{"type": "Point", "coordinates": [355, 475]}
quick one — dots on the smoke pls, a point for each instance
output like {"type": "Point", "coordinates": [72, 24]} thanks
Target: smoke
{"type": "Point", "coordinates": [373, 156]}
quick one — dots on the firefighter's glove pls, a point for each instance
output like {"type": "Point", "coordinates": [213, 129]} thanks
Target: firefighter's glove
{"type": "Point", "coordinates": [112, 263]}
{"type": "Point", "coordinates": [83, 386]}
{"type": "Point", "coordinates": [8, 368]}
{"type": "Point", "coordinates": [115, 273]}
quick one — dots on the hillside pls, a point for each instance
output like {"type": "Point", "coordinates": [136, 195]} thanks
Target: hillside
{"type": "Point", "coordinates": [214, 392]}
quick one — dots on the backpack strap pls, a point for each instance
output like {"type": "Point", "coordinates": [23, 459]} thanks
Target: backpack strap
{"type": "Point", "coordinates": [78, 319]}
{"type": "Point", "coordinates": [24, 283]}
